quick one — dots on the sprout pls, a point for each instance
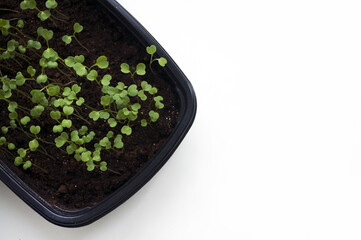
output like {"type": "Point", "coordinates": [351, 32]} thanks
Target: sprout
{"type": "Point", "coordinates": [33, 145]}
{"type": "Point", "coordinates": [126, 130]}
{"type": "Point", "coordinates": [153, 116]}
{"type": "Point", "coordinates": [161, 61]}
{"type": "Point", "coordinates": [140, 69]}
{"type": "Point", "coordinates": [68, 39]}
{"type": "Point", "coordinates": [66, 123]}
{"type": "Point", "coordinates": [35, 129]}
{"type": "Point", "coordinates": [51, 4]}
{"type": "Point", "coordinates": [25, 120]}
{"type": "Point", "coordinates": [61, 140]}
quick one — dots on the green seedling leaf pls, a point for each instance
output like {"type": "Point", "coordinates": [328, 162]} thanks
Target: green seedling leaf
{"type": "Point", "coordinates": [76, 88]}
{"type": "Point", "coordinates": [77, 28]}
{"type": "Point", "coordinates": [43, 15]}
{"type": "Point", "coordinates": [61, 140]}
{"type": "Point", "coordinates": [106, 100]}
{"type": "Point", "coordinates": [37, 111]}
{"type": "Point", "coordinates": [80, 69]}
{"type": "Point", "coordinates": [103, 166]}
{"type": "Point", "coordinates": [94, 115]}
{"type": "Point", "coordinates": [66, 123]}
{"type": "Point", "coordinates": [33, 145]}
{"type": "Point", "coordinates": [28, 4]}
{"type": "Point", "coordinates": [67, 39]}
{"type": "Point", "coordinates": [27, 165]}
{"type": "Point", "coordinates": [13, 115]}
{"type": "Point", "coordinates": [50, 54]}
{"type": "Point", "coordinates": [42, 78]}
{"type": "Point", "coordinates": [13, 124]}
{"type": "Point", "coordinates": [18, 161]}
{"type": "Point", "coordinates": [79, 59]}
{"type": "Point", "coordinates": [25, 120]}
{"type": "Point", "coordinates": [136, 107]}
{"type": "Point", "coordinates": [102, 62]}
{"type": "Point", "coordinates": [80, 101]}
{"type": "Point", "coordinates": [104, 142]}
{"type": "Point", "coordinates": [22, 49]}
{"type": "Point", "coordinates": [52, 64]}
{"type": "Point", "coordinates": [118, 143]}
{"type": "Point", "coordinates": [74, 136]}
{"type": "Point", "coordinates": [45, 33]}
{"type": "Point", "coordinates": [104, 115]}
{"type": "Point", "coordinates": [2, 141]}
{"type": "Point", "coordinates": [153, 90]}
{"type": "Point", "coordinates": [124, 67]}
{"type": "Point", "coordinates": [112, 122]}
{"type": "Point", "coordinates": [140, 69]}
{"type": "Point", "coordinates": [132, 90]}
{"type": "Point", "coordinates": [71, 148]}
{"type": "Point", "coordinates": [34, 44]}
{"type": "Point", "coordinates": [153, 116]}
{"type": "Point", "coordinates": [20, 24]}
{"type": "Point", "coordinates": [126, 130]}
{"type": "Point", "coordinates": [31, 71]}
{"type": "Point", "coordinates": [68, 110]}
{"type": "Point", "coordinates": [83, 130]}
{"type": "Point", "coordinates": [70, 61]}
{"type": "Point", "coordinates": [53, 90]}
{"type": "Point", "coordinates": [4, 130]}
{"type": "Point", "coordinates": [35, 129]}
{"type": "Point", "coordinates": [143, 123]}
{"type": "Point", "coordinates": [11, 146]}
{"type": "Point", "coordinates": [92, 75]}
{"type": "Point", "coordinates": [66, 91]}
{"type": "Point", "coordinates": [162, 61]}
{"type": "Point", "coordinates": [145, 86]}
{"type": "Point", "coordinates": [110, 134]}
{"type": "Point", "coordinates": [106, 80]}
{"type": "Point", "coordinates": [159, 105]}
{"type": "Point", "coordinates": [12, 106]}
{"type": "Point", "coordinates": [96, 156]}
{"type": "Point", "coordinates": [141, 95]}
{"type": "Point", "coordinates": [51, 4]}
{"type": "Point", "coordinates": [22, 152]}
{"type": "Point", "coordinates": [20, 79]}
{"type": "Point", "coordinates": [151, 49]}
{"type": "Point", "coordinates": [57, 129]}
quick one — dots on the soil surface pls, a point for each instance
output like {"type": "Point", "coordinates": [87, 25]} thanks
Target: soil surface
{"type": "Point", "coordinates": [65, 182]}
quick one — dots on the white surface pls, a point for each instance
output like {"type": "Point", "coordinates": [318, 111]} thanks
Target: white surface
{"type": "Point", "coordinates": [275, 151]}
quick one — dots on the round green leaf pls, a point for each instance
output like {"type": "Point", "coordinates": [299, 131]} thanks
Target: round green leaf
{"type": "Point", "coordinates": [25, 120]}
{"type": "Point", "coordinates": [67, 39]}
{"type": "Point", "coordinates": [78, 28]}
{"type": "Point", "coordinates": [66, 123]}
{"type": "Point", "coordinates": [68, 110]}
{"type": "Point", "coordinates": [35, 129]}
{"type": "Point", "coordinates": [140, 69]}
{"type": "Point", "coordinates": [57, 128]}
{"type": "Point", "coordinates": [102, 62]}
{"type": "Point", "coordinates": [151, 49]}
{"type": "Point", "coordinates": [33, 144]}
{"type": "Point", "coordinates": [126, 130]}
{"type": "Point", "coordinates": [124, 67]}
{"type": "Point", "coordinates": [162, 61]}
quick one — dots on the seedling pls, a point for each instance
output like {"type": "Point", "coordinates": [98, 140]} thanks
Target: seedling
{"type": "Point", "coordinates": [151, 50]}
{"type": "Point", "coordinates": [68, 39]}
{"type": "Point", "coordinates": [59, 110]}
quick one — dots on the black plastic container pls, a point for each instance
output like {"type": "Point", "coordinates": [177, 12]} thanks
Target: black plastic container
{"type": "Point", "coordinates": [186, 117]}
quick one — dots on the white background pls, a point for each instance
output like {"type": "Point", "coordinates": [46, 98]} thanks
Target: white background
{"type": "Point", "coordinates": [275, 150]}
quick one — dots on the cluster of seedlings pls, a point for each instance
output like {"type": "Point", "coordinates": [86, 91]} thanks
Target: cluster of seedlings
{"type": "Point", "coordinates": [119, 106]}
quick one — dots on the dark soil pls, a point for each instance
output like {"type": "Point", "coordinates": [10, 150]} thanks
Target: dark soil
{"type": "Point", "coordinates": [66, 182]}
